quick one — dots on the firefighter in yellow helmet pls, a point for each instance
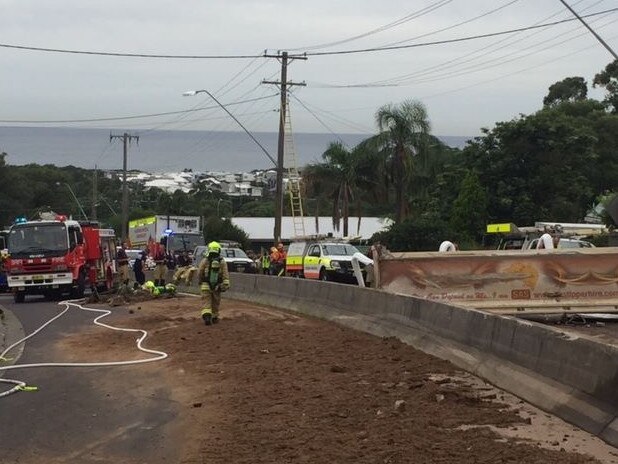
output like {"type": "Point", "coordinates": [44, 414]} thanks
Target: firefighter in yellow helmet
{"type": "Point", "coordinates": [213, 278]}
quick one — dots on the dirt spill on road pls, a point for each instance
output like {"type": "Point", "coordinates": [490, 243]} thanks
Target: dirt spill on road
{"type": "Point", "coordinates": [265, 386]}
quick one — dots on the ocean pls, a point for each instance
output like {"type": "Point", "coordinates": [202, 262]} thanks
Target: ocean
{"type": "Point", "coordinates": [163, 151]}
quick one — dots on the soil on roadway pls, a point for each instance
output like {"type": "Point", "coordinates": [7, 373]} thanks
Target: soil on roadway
{"type": "Point", "coordinates": [266, 386]}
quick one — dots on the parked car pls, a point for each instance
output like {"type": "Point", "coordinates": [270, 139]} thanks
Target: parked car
{"type": "Point", "coordinates": [236, 259]}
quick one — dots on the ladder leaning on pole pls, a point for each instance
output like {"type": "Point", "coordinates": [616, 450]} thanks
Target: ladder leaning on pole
{"type": "Point", "coordinates": [290, 166]}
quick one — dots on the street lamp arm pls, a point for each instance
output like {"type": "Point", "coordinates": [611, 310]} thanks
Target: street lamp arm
{"type": "Point", "coordinates": [191, 93]}
{"type": "Point", "coordinates": [76, 200]}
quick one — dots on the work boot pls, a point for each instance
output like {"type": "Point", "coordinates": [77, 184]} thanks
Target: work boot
{"type": "Point", "coordinates": [207, 319]}
{"type": "Point", "coordinates": [215, 319]}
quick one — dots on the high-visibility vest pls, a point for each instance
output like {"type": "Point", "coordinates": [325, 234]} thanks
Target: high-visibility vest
{"type": "Point", "coordinates": [265, 262]}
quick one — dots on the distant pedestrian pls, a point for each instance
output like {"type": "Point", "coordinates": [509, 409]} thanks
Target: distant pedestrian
{"type": "Point", "coordinates": [138, 269]}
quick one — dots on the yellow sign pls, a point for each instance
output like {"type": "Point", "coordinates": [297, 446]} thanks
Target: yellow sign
{"type": "Point", "coordinates": [143, 221]}
{"type": "Point", "coordinates": [499, 228]}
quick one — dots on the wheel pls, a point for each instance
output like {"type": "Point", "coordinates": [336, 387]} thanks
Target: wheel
{"type": "Point", "coordinates": [324, 275]}
{"type": "Point", "coordinates": [80, 286]}
{"type": "Point", "coordinates": [19, 297]}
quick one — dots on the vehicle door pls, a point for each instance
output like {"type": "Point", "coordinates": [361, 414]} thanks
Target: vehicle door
{"type": "Point", "coordinates": [294, 258]}
{"type": "Point", "coordinates": [311, 262]}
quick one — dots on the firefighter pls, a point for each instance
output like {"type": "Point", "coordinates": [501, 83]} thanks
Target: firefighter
{"type": "Point", "coordinates": [161, 267]}
{"type": "Point", "coordinates": [213, 278]}
{"type": "Point", "coordinates": [122, 260]}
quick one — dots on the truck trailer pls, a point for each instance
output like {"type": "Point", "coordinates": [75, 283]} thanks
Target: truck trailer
{"type": "Point", "coordinates": [177, 233]}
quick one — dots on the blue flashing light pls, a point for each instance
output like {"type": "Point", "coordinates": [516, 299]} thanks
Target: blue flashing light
{"type": "Point", "coordinates": [21, 220]}
{"type": "Point", "coordinates": [168, 232]}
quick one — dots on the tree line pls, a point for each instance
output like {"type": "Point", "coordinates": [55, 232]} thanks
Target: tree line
{"type": "Point", "coordinates": [553, 165]}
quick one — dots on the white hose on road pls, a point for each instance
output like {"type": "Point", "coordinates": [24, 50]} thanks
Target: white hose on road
{"type": "Point", "coordinates": [19, 385]}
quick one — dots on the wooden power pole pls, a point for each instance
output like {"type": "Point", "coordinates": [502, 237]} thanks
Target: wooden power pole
{"type": "Point", "coordinates": [126, 140]}
{"type": "Point", "coordinates": [283, 84]}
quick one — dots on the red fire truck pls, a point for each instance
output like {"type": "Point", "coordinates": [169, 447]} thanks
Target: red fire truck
{"type": "Point", "coordinates": [56, 256]}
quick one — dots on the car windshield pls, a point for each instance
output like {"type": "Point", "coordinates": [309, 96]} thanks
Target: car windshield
{"type": "Point", "coordinates": [36, 239]}
{"type": "Point", "coordinates": [233, 253]}
{"type": "Point", "coordinates": [182, 242]}
{"type": "Point", "coordinates": [342, 249]}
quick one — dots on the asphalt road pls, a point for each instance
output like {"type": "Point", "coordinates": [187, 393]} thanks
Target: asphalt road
{"type": "Point", "coordinates": [81, 415]}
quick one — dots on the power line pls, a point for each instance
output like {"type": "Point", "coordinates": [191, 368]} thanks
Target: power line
{"type": "Point", "coordinates": [461, 58]}
{"type": "Point", "coordinates": [317, 118]}
{"type": "Point", "coordinates": [456, 40]}
{"type": "Point", "coordinates": [184, 116]}
{"type": "Point", "coordinates": [505, 76]}
{"type": "Point", "coordinates": [122, 118]}
{"type": "Point", "coordinates": [127, 55]}
{"type": "Point", "coordinates": [597, 36]}
{"type": "Point", "coordinates": [427, 76]}
{"type": "Point", "coordinates": [501, 60]}
{"type": "Point", "coordinates": [385, 27]}
{"type": "Point", "coordinates": [453, 26]}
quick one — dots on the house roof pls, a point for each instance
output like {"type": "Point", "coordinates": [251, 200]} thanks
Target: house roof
{"type": "Point", "coordinates": [262, 229]}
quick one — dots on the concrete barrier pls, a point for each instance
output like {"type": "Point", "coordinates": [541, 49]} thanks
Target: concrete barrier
{"type": "Point", "coordinates": [572, 377]}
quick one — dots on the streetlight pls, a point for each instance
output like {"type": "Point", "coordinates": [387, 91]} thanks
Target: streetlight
{"type": "Point", "coordinates": [227, 201]}
{"type": "Point", "coordinates": [75, 198]}
{"type": "Point", "coordinates": [278, 164]}
{"type": "Point", "coordinates": [192, 93]}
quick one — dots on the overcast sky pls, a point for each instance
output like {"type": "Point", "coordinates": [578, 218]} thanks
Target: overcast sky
{"type": "Point", "coordinates": [465, 86]}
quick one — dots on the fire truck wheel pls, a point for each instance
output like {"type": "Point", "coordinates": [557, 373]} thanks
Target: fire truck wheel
{"type": "Point", "coordinates": [80, 286]}
{"type": "Point", "coordinates": [19, 297]}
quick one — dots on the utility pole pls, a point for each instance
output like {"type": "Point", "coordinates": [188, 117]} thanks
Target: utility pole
{"type": "Point", "coordinates": [597, 36]}
{"type": "Point", "coordinates": [93, 214]}
{"type": "Point", "coordinates": [283, 84]}
{"type": "Point", "coordinates": [126, 140]}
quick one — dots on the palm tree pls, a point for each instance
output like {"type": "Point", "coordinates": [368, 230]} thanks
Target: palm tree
{"type": "Point", "coordinates": [403, 131]}
{"type": "Point", "coordinates": [337, 177]}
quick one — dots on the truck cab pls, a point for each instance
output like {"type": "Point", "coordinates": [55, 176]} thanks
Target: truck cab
{"type": "Point", "coordinates": [56, 256]}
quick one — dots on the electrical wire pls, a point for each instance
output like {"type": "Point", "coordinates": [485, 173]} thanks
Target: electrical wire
{"type": "Point", "coordinates": [453, 26]}
{"type": "Point", "coordinates": [385, 27]}
{"type": "Point", "coordinates": [501, 60]}
{"type": "Point", "coordinates": [505, 76]}
{"type": "Point", "coordinates": [183, 116]}
{"type": "Point", "coordinates": [317, 118]}
{"type": "Point", "coordinates": [455, 40]}
{"type": "Point", "coordinates": [123, 118]}
{"type": "Point", "coordinates": [461, 59]}
{"type": "Point", "coordinates": [127, 55]}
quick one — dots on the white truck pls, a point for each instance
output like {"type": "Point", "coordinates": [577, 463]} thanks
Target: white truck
{"type": "Point", "coordinates": [177, 233]}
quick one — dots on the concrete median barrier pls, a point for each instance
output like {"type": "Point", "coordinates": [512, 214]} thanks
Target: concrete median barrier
{"type": "Point", "coordinates": [572, 377]}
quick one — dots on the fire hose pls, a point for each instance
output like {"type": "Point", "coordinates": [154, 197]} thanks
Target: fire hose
{"type": "Point", "coordinates": [22, 386]}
